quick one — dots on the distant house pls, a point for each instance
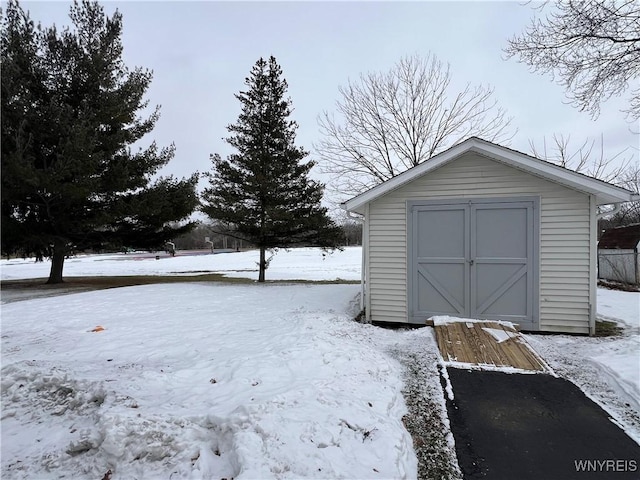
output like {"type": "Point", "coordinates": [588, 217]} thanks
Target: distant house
{"type": "Point", "coordinates": [483, 231]}
{"type": "Point", "coordinates": [618, 258]}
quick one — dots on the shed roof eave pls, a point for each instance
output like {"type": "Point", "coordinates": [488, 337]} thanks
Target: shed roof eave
{"type": "Point", "coordinates": [602, 199]}
{"type": "Point", "coordinates": [605, 193]}
{"type": "Point", "coordinates": [358, 210]}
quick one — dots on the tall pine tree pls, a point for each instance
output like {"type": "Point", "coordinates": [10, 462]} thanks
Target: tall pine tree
{"type": "Point", "coordinates": [70, 114]}
{"type": "Point", "coordinates": [263, 191]}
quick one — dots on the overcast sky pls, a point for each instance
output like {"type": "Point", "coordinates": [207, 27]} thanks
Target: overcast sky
{"type": "Point", "coordinates": [201, 52]}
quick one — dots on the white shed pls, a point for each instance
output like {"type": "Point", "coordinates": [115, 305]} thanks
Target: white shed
{"type": "Point", "coordinates": [483, 231]}
{"type": "Point", "coordinates": [619, 254]}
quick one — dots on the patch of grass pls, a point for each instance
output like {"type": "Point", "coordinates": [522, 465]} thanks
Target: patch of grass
{"type": "Point", "coordinates": [624, 287]}
{"type": "Point", "coordinates": [118, 281]}
{"type": "Point", "coordinates": [339, 281]}
{"type": "Point", "coordinates": [605, 328]}
{"type": "Point", "coordinates": [362, 316]}
{"type": "Point", "coordinates": [132, 280]}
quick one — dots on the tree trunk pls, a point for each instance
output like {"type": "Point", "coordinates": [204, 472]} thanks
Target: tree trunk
{"type": "Point", "coordinates": [263, 265]}
{"type": "Point", "coordinates": [57, 262]}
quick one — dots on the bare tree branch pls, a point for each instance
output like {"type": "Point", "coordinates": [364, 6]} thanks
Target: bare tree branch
{"type": "Point", "coordinates": [592, 48]}
{"type": "Point", "coordinates": [588, 158]}
{"type": "Point", "coordinates": [395, 120]}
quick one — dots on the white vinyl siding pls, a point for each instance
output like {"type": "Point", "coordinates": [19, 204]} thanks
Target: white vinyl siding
{"type": "Point", "coordinates": [565, 245]}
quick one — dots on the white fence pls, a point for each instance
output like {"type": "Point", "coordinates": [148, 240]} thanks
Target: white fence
{"type": "Point", "coordinates": [619, 265]}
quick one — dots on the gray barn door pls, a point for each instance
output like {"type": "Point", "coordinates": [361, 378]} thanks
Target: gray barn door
{"type": "Point", "coordinates": [474, 259]}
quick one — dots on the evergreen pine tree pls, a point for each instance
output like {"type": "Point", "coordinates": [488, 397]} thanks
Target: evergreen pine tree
{"type": "Point", "coordinates": [263, 191]}
{"type": "Point", "coordinates": [70, 113]}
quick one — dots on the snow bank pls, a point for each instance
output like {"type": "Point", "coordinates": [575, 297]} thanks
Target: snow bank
{"type": "Point", "coordinates": [621, 307]}
{"type": "Point", "coordinates": [293, 264]}
{"type": "Point", "coordinates": [200, 381]}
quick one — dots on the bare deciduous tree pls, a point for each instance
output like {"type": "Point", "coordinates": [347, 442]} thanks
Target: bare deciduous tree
{"type": "Point", "coordinates": [591, 47]}
{"type": "Point", "coordinates": [396, 120]}
{"type": "Point", "coordinates": [630, 178]}
{"type": "Point", "coordinates": [630, 212]}
{"type": "Point", "coordinates": [588, 158]}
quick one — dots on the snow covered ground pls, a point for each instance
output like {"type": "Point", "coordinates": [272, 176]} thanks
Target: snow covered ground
{"type": "Point", "coordinates": [201, 381]}
{"type": "Point", "coordinates": [293, 264]}
{"type": "Point", "coordinates": [204, 380]}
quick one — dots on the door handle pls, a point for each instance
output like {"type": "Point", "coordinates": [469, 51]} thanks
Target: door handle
{"type": "Point", "coordinates": [471, 262]}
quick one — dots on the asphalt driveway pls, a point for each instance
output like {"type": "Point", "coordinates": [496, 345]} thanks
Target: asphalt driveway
{"type": "Point", "coordinates": [534, 426]}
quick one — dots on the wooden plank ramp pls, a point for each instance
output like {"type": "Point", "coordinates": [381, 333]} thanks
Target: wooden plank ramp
{"type": "Point", "coordinates": [486, 344]}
